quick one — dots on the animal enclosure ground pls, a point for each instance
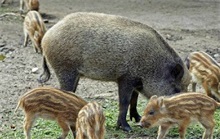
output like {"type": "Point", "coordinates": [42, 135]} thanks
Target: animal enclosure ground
{"type": "Point", "coordinates": [187, 25]}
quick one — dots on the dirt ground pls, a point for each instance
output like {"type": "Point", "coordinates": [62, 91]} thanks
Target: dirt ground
{"type": "Point", "coordinates": [187, 25]}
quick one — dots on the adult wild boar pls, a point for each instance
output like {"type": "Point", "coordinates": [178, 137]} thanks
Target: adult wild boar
{"type": "Point", "coordinates": [113, 48]}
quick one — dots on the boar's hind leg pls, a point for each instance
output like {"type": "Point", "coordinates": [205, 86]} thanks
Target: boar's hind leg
{"type": "Point", "coordinates": [68, 79]}
{"type": "Point", "coordinates": [125, 92]}
{"type": "Point", "coordinates": [133, 107]}
{"type": "Point", "coordinates": [134, 98]}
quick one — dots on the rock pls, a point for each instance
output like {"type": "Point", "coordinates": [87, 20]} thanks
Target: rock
{"type": "Point", "coordinates": [2, 44]}
{"type": "Point", "coordinates": [34, 70]}
{"type": "Point", "coordinates": [216, 55]}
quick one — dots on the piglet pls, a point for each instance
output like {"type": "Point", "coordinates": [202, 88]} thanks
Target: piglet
{"type": "Point", "coordinates": [51, 103]}
{"type": "Point", "coordinates": [180, 110]}
{"type": "Point", "coordinates": [90, 123]}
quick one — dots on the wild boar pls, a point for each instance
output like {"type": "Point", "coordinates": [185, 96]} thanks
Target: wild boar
{"type": "Point", "coordinates": [53, 104]}
{"type": "Point", "coordinates": [30, 5]}
{"type": "Point", "coordinates": [113, 48]}
{"type": "Point", "coordinates": [90, 123]}
{"type": "Point", "coordinates": [180, 110]}
{"type": "Point", "coordinates": [34, 28]}
{"type": "Point", "coordinates": [204, 71]}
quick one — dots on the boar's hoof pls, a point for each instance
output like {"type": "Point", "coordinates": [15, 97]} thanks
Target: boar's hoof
{"type": "Point", "coordinates": [136, 116]}
{"type": "Point", "coordinates": [125, 127]}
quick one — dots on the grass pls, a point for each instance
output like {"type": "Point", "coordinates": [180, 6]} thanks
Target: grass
{"type": "Point", "coordinates": [48, 129]}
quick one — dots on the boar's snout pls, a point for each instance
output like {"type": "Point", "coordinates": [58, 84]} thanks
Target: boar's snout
{"type": "Point", "coordinates": [176, 90]}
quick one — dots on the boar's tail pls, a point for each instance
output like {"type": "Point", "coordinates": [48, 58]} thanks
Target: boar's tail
{"type": "Point", "coordinates": [45, 76]}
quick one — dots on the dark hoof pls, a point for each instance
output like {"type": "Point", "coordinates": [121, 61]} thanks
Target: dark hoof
{"type": "Point", "coordinates": [137, 117]}
{"type": "Point", "coordinates": [126, 128]}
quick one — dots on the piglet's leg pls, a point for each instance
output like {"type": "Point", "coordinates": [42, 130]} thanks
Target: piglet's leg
{"type": "Point", "coordinates": [65, 128]}
{"type": "Point", "coordinates": [25, 38]}
{"type": "Point", "coordinates": [73, 129]}
{"type": "Point", "coordinates": [163, 130]}
{"type": "Point", "coordinates": [207, 90]}
{"type": "Point", "coordinates": [21, 6]}
{"type": "Point", "coordinates": [194, 86]}
{"type": "Point", "coordinates": [28, 122]}
{"type": "Point", "coordinates": [209, 125]}
{"type": "Point", "coordinates": [182, 127]}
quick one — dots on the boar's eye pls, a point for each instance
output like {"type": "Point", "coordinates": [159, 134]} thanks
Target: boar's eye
{"type": "Point", "coordinates": [151, 112]}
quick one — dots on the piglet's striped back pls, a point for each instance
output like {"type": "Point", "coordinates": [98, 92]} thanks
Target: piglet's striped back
{"type": "Point", "coordinates": [90, 123]}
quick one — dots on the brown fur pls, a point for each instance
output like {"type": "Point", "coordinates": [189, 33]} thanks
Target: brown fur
{"type": "Point", "coordinates": [205, 71]}
{"type": "Point", "coordinates": [30, 4]}
{"type": "Point", "coordinates": [51, 103]}
{"type": "Point", "coordinates": [116, 49]}
{"type": "Point", "coordinates": [34, 28]}
{"type": "Point", "coordinates": [181, 109]}
{"type": "Point", "coordinates": [90, 123]}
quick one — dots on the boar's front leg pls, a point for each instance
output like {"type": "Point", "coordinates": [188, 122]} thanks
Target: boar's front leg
{"type": "Point", "coordinates": [126, 88]}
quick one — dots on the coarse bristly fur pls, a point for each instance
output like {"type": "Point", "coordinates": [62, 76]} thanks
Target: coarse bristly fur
{"type": "Point", "coordinates": [30, 5]}
{"type": "Point", "coordinates": [206, 72]}
{"type": "Point", "coordinates": [90, 123]}
{"type": "Point", "coordinates": [113, 48]}
{"type": "Point", "coordinates": [34, 28]}
{"type": "Point", "coordinates": [181, 110]}
{"type": "Point", "coordinates": [51, 103]}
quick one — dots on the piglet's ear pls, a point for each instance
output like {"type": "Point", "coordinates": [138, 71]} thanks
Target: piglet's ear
{"type": "Point", "coordinates": [160, 101]}
{"type": "Point", "coordinates": [153, 97]}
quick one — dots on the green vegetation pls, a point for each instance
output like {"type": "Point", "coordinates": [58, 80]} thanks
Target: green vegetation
{"type": "Point", "coordinates": [49, 129]}
{"type": "Point", "coordinates": [2, 57]}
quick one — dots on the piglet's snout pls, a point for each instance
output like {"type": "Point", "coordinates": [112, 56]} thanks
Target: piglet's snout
{"type": "Point", "coordinates": [144, 124]}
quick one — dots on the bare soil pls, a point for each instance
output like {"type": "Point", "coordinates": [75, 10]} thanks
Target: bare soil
{"type": "Point", "coordinates": [187, 25]}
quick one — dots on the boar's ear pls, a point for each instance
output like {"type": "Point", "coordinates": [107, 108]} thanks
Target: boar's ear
{"type": "Point", "coordinates": [177, 72]}
{"type": "Point", "coordinates": [160, 101]}
{"type": "Point", "coordinates": [153, 97]}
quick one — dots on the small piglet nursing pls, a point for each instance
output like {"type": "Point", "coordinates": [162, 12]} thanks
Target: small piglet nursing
{"type": "Point", "coordinates": [51, 103]}
{"type": "Point", "coordinates": [180, 110]}
{"type": "Point", "coordinates": [90, 123]}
